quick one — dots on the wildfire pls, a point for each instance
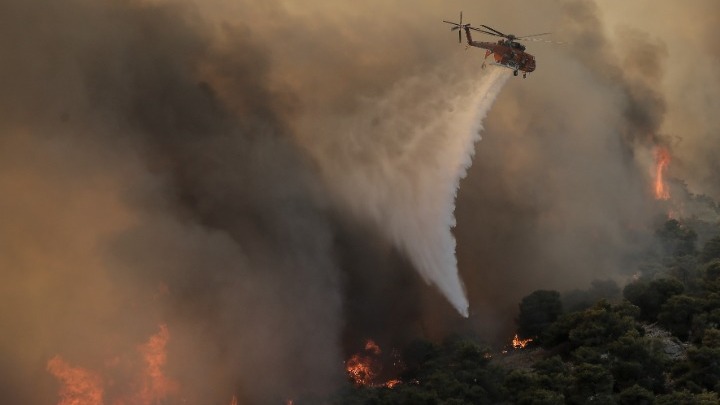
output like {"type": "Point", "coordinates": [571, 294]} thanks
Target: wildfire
{"type": "Point", "coordinates": [80, 386]}
{"type": "Point", "coordinates": [662, 160]}
{"type": "Point", "coordinates": [156, 386]}
{"type": "Point", "coordinates": [392, 383]}
{"type": "Point", "coordinates": [372, 347]}
{"type": "Point", "coordinates": [364, 368]}
{"type": "Point", "coordinates": [360, 369]}
{"type": "Point", "coordinates": [518, 343]}
{"type": "Point", "coordinates": [151, 387]}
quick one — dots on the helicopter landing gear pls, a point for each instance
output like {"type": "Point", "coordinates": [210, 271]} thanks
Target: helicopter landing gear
{"type": "Point", "coordinates": [515, 72]}
{"type": "Point", "coordinates": [524, 75]}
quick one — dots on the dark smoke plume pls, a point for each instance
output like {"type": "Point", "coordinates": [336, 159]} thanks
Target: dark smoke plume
{"type": "Point", "coordinates": [170, 162]}
{"type": "Point", "coordinates": [155, 185]}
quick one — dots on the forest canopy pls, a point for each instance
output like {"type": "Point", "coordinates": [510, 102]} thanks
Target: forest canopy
{"type": "Point", "coordinates": [654, 341]}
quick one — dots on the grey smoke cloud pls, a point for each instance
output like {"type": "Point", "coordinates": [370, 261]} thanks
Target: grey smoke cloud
{"type": "Point", "coordinates": [163, 162]}
{"type": "Point", "coordinates": [140, 199]}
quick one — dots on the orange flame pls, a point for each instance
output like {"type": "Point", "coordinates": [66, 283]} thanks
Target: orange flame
{"type": "Point", "coordinates": [520, 343]}
{"type": "Point", "coordinates": [156, 386]}
{"type": "Point", "coordinates": [392, 383]}
{"type": "Point", "coordinates": [234, 400]}
{"type": "Point", "coordinates": [372, 347]}
{"type": "Point", "coordinates": [360, 369]}
{"type": "Point", "coordinates": [152, 387]}
{"type": "Point", "coordinates": [364, 369]}
{"type": "Point", "coordinates": [80, 386]}
{"type": "Point", "coordinates": [662, 160]}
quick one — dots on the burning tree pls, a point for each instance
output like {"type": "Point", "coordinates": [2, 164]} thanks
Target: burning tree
{"type": "Point", "coordinates": [151, 386]}
{"type": "Point", "coordinates": [155, 386]}
{"type": "Point", "coordinates": [364, 369]}
{"type": "Point", "coordinates": [518, 343]}
{"type": "Point", "coordinates": [80, 386]}
{"type": "Point", "coordinates": [662, 160]}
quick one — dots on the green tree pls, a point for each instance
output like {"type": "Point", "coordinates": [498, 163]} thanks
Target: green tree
{"type": "Point", "coordinates": [701, 370]}
{"type": "Point", "coordinates": [650, 296]}
{"type": "Point", "coordinates": [685, 269]}
{"type": "Point", "coordinates": [457, 370]}
{"type": "Point", "coordinates": [676, 239]}
{"type": "Point", "coordinates": [708, 319]}
{"type": "Point", "coordinates": [519, 382]}
{"type": "Point", "coordinates": [636, 395]}
{"type": "Point", "coordinates": [540, 396]}
{"type": "Point", "coordinates": [601, 325]}
{"type": "Point", "coordinates": [677, 314]}
{"type": "Point", "coordinates": [711, 250]}
{"type": "Point", "coordinates": [685, 397]}
{"type": "Point", "coordinates": [538, 311]}
{"type": "Point", "coordinates": [591, 384]}
{"type": "Point", "coordinates": [711, 338]}
{"type": "Point", "coordinates": [711, 276]}
{"type": "Point", "coordinates": [637, 360]}
{"type": "Point", "coordinates": [552, 374]}
{"type": "Point", "coordinates": [593, 328]}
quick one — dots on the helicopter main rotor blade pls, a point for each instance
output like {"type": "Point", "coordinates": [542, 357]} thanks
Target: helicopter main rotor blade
{"type": "Point", "coordinates": [534, 35]}
{"type": "Point", "coordinates": [541, 40]}
{"type": "Point", "coordinates": [494, 30]}
{"type": "Point", "coordinates": [486, 32]}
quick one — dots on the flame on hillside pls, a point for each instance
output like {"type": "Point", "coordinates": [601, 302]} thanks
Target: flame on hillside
{"type": "Point", "coordinates": [364, 368]}
{"type": "Point", "coordinates": [79, 386]}
{"type": "Point", "coordinates": [155, 386]}
{"type": "Point", "coordinates": [392, 383]}
{"type": "Point", "coordinates": [518, 343]}
{"type": "Point", "coordinates": [149, 385]}
{"type": "Point", "coordinates": [372, 347]}
{"type": "Point", "coordinates": [361, 369]}
{"type": "Point", "coordinates": [662, 160]}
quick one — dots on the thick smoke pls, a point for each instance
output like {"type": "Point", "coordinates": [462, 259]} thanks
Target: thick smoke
{"type": "Point", "coordinates": [565, 179]}
{"type": "Point", "coordinates": [134, 197]}
{"type": "Point", "coordinates": [193, 163]}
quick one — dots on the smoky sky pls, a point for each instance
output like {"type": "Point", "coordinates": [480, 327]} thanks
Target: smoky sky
{"type": "Point", "coordinates": [167, 162]}
{"type": "Point", "coordinates": [225, 238]}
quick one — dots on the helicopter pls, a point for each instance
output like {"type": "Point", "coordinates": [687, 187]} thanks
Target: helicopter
{"type": "Point", "coordinates": [506, 52]}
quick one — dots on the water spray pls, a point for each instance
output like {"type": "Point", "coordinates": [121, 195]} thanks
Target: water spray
{"type": "Point", "coordinates": [399, 163]}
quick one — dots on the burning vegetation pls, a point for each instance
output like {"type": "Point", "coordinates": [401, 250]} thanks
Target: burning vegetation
{"type": "Point", "coordinates": [361, 369]}
{"type": "Point", "coordinates": [518, 343]}
{"type": "Point", "coordinates": [597, 351]}
{"type": "Point", "coordinates": [662, 160]}
{"type": "Point", "coordinates": [366, 369]}
{"type": "Point", "coordinates": [148, 383]}
{"type": "Point", "coordinates": [79, 386]}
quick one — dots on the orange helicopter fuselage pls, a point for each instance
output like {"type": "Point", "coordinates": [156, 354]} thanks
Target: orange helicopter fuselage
{"type": "Point", "coordinates": [505, 53]}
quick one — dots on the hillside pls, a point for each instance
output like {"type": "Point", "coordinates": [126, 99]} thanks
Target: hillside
{"type": "Point", "coordinates": [655, 341]}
